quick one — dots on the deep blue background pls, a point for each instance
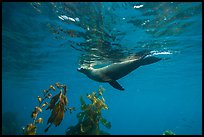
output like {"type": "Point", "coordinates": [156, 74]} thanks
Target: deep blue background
{"type": "Point", "coordinates": [157, 97]}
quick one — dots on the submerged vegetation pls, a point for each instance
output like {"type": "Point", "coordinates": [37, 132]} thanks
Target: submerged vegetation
{"type": "Point", "coordinates": [90, 117]}
{"type": "Point", "coordinates": [57, 105]}
{"type": "Point", "coordinates": [168, 132]}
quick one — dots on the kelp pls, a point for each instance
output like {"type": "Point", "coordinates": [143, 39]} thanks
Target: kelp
{"type": "Point", "coordinates": [168, 132]}
{"type": "Point", "coordinates": [91, 116]}
{"type": "Point", "coordinates": [88, 119]}
{"type": "Point", "coordinates": [57, 105]}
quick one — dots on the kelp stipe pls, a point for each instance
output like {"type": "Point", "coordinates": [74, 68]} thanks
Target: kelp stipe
{"type": "Point", "coordinates": [89, 118]}
{"type": "Point", "coordinates": [57, 105]}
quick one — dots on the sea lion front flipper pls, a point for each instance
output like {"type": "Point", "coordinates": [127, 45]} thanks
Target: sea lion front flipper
{"type": "Point", "coordinates": [116, 85]}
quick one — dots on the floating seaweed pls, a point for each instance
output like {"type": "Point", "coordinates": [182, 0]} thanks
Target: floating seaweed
{"type": "Point", "coordinates": [57, 105]}
{"type": "Point", "coordinates": [89, 118]}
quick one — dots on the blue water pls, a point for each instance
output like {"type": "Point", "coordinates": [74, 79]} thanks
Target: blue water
{"type": "Point", "coordinates": [43, 43]}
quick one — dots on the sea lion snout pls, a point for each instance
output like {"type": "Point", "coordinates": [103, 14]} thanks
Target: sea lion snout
{"type": "Point", "coordinates": [79, 69]}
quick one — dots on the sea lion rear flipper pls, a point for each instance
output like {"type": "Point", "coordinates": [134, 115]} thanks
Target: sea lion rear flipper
{"type": "Point", "coordinates": [149, 60]}
{"type": "Point", "coordinates": [142, 53]}
{"type": "Point", "coordinates": [116, 85]}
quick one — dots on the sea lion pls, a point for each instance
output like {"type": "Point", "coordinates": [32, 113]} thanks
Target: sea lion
{"type": "Point", "coordinates": [115, 71]}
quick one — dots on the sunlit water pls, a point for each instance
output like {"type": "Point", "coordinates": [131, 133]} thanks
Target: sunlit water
{"type": "Point", "coordinates": [43, 43]}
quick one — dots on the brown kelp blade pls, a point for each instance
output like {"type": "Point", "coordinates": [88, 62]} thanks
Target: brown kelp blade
{"type": "Point", "coordinates": [54, 113]}
{"type": "Point", "coordinates": [53, 101]}
{"type": "Point", "coordinates": [57, 114]}
{"type": "Point", "coordinates": [47, 128]}
{"type": "Point", "coordinates": [59, 117]}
